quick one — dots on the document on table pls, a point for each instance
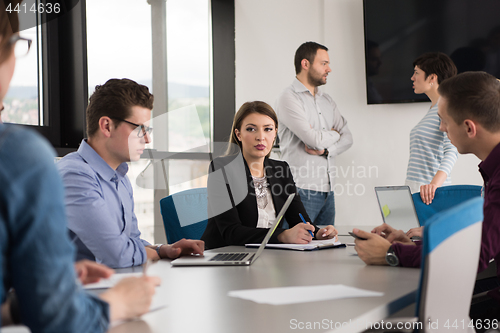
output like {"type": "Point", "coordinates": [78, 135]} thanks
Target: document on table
{"type": "Point", "coordinates": [293, 295]}
{"type": "Point", "coordinates": [113, 279]}
{"type": "Point", "coordinates": [311, 246]}
{"type": "Point", "coordinates": [156, 304]}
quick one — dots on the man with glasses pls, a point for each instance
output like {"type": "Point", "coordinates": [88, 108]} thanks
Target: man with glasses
{"type": "Point", "coordinates": [99, 198]}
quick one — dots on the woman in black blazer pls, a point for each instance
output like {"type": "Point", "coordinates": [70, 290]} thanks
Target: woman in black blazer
{"type": "Point", "coordinates": [246, 189]}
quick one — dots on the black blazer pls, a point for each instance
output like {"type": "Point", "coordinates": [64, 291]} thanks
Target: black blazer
{"type": "Point", "coordinates": [232, 204]}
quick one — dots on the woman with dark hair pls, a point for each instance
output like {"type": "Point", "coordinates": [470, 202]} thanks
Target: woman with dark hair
{"type": "Point", "coordinates": [432, 156]}
{"type": "Point", "coordinates": [246, 188]}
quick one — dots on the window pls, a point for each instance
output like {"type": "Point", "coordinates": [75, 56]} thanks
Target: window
{"type": "Point", "coordinates": [126, 51]}
{"type": "Point", "coordinates": [97, 40]}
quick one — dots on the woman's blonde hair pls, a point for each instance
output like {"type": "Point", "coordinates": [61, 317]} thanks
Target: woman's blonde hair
{"type": "Point", "coordinates": [245, 110]}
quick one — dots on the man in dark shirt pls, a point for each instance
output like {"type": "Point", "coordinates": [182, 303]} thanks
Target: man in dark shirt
{"type": "Point", "coordinates": [469, 109]}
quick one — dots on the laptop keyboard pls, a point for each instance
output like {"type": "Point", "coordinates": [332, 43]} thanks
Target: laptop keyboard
{"type": "Point", "coordinates": [230, 257]}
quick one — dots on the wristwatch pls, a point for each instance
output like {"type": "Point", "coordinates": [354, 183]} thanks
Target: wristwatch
{"type": "Point", "coordinates": [325, 152]}
{"type": "Point", "coordinates": [391, 257]}
{"type": "Point", "coordinates": [157, 248]}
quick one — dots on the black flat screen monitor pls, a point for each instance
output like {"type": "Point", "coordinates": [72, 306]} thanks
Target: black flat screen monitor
{"type": "Point", "coordinates": [398, 31]}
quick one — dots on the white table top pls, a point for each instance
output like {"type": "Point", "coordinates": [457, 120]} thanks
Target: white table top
{"type": "Point", "coordinates": [198, 302]}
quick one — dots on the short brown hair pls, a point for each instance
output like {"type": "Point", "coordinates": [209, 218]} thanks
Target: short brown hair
{"type": "Point", "coordinates": [115, 99]}
{"type": "Point", "coordinates": [307, 51]}
{"type": "Point", "coordinates": [436, 63]}
{"type": "Point", "coordinates": [475, 96]}
{"type": "Point", "coordinates": [245, 110]}
{"type": "Point", "coordinates": [9, 25]}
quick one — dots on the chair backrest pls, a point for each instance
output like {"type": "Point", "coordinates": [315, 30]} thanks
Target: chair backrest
{"type": "Point", "coordinates": [185, 214]}
{"type": "Point", "coordinates": [450, 257]}
{"type": "Point", "coordinates": [444, 198]}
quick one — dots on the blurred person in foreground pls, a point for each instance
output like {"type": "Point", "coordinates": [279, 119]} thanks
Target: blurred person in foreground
{"type": "Point", "coordinates": [36, 254]}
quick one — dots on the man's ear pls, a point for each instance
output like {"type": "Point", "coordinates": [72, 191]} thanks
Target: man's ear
{"type": "Point", "coordinates": [105, 126]}
{"type": "Point", "coordinates": [305, 64]}
{"type": "Point", "coordinates": [471, 128]}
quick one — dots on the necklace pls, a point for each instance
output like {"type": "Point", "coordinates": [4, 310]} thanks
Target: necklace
{"type": "Point", "coordinates": [260, 185]}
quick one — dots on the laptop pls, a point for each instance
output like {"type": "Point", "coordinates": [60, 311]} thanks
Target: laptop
{"type": "Point", "coordinates": [396, 206]}
{"type": "Point", "coordinates": [233, 258]}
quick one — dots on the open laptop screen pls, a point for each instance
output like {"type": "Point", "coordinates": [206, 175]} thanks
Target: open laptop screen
{"type": "Point", "coordinates": [396, 206]}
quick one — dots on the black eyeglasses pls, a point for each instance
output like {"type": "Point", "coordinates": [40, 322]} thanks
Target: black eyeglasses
{"type": "Point", "coordinates": [142, 130]}
{"type": "Point", "coordinates": [21, 45]}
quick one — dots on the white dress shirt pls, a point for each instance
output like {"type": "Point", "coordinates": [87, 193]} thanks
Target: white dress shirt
{"type": "Point", "coordinates": [316, 122]}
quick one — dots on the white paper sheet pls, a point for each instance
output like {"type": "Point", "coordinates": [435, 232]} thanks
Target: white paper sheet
{"type": "Point", "coordinates": [156, 304]}
{"type": "Point", "coordinates": [108, 283]}
{"type": "Point", "coordinates": [312, 245]}
{"type": "Point", "coordinates": [292, 295]}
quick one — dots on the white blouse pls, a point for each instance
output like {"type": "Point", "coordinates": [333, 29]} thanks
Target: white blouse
{"type": "Point", "coordinates": [267, 213]}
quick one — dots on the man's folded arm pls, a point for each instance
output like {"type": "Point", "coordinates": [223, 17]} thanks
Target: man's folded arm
{"type": "Point", "coordinates": [345, 141]}
{"type": "Point", "coordinates": [293, 116]}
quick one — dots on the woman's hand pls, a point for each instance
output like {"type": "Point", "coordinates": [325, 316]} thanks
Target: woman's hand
{"type": "Point", "coordinates": [327, 232]}
{"type": "Point", "coordinates": [299, 234]}
{"type": "Point", "coordinates": [427, 193]}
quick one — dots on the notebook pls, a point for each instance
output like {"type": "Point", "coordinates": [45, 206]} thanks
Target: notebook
{"type": "Point", "coordinates": [311, 246]}
{"type": "Point", "coordinates": [233, 258]}
{"type": "Point", "coordinates": [396, 206]}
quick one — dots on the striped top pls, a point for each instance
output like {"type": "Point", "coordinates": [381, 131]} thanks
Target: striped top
{"type": "Point", "coordinates": [430, 150]}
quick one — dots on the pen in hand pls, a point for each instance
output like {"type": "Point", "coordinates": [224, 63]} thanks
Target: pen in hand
{"type": "Point", "coordinates": [304, 220]}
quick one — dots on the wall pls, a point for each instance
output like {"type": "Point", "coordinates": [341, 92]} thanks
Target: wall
{"type": "Point", "coordinates": [267, 34]}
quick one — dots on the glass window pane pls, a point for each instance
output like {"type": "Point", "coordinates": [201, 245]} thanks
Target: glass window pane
{"type": "Point", "coordinates": [119, 44]}
{"type": "Point", "coordinates": [125, 51]}
{"type": "Point", "coordinates": [187, 174]}
{"type": "Point", "coordinates": [143, 201]}
{"type": "Point", "coordinates": [188, 58]}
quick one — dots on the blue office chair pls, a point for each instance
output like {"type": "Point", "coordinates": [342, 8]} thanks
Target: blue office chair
{"type": "Point", "coordinates": [444, 198]}
{"type": "Point", "coordinates": [450, 256]}
{"type": "Point", "coordinates": [185, 214]}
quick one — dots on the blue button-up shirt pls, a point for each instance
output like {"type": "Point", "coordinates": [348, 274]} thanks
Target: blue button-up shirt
{"type": "Point", "coordinates": [36, 253]}
{"type": "Point", "coordinates": [100, 209]}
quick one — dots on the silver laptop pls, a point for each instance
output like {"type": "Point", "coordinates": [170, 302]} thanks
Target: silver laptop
{"type": "Point", "coordinates": [396, 206]}
{"type": "Point", "coordinates": [233, 258]}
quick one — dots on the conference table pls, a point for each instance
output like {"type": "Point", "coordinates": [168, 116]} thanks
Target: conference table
{"type": "Point", "coordinates": [197, 298]}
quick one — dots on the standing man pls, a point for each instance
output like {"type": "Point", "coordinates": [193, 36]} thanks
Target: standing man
{"type": "Point", "coordinates": [312, 132]}
{"type": "Point", "coordinates": [99, 198]}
